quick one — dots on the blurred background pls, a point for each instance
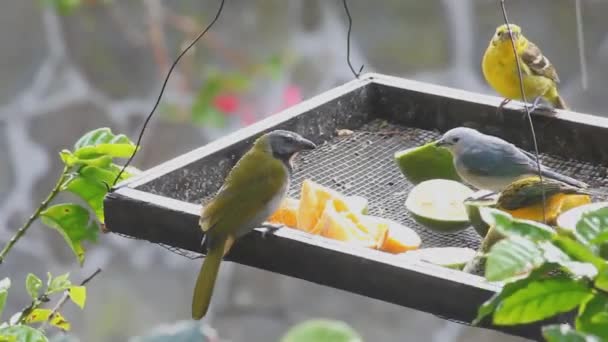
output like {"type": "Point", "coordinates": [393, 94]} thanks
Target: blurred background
{"type": "Point", "coordinates": [69, 66]}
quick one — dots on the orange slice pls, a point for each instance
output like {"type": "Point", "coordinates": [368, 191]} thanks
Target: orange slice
{"type": "Point", "coordinates": [287, 213]}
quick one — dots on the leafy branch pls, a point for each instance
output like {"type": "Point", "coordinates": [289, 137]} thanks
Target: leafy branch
{"type": "Point", "coordinates": [547, 272]}
{"type": "Point", "coordinates": [88, 170]}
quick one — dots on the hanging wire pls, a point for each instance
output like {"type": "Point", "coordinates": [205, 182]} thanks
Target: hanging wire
{"type": "Point", "coordinates": [350, 27]}
{"type": "Point", "coordinates": [162, 90]}
{"type": "Point", "coordinates": [525, 100]}
{"type": "Point", "coordinates": [581, 44]}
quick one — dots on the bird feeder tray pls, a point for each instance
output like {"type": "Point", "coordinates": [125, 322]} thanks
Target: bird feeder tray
{"type": "Point", "coordinates": [385, 114]}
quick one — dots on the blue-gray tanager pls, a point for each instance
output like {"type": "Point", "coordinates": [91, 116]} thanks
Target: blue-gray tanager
{"type": "Point", "coordinates": [490, 163]}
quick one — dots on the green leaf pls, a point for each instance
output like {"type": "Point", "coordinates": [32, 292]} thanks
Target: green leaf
{"type": "Point", "coordinates": [101, 142]}
{"type": "Point", "coordinates": [74, 223]}
{"type": "Point", "coordinates": [565, 333]}
{"type": "Point", "coordinates": [42, 315]}
{"type": "Point", "coordinates": [5, 338]}
{"type": "Point", "coordinates": [23, 333]}
{"type": "Point", "coordinates": [91, 184]}
{"type": "Point", "coordinates": [541, 299]}
{"type": "Point", "coordinates": [208, 115]}
{"type": "Point", "coordinates": [5, 284]}
{"type": "Point", "coordinates": [592, 228]}
{"type": "Point", "coordinates": [601, 281]}
{"type": "Point", "coordinates": [33, 285]}
{"type": "Point", "coordinates": [555, 255]}
{"type": "Point", "coordinates": [590, 314]}
{"type": "Point", "coordinates": [71, 160]}
{"type": "Point", "coordinates": [321, 330]}
{"type": "Point", "coordinates": [59, 283]}
{"type": "Point", "coordinates": [512, 257]}
{"type": "Point", "coordinates": [78, 295]}
{"type": "Point", "coordinates": [578, 251]}
{"type": "Point", "coordinates": [509, 288]}
{"type": "Point", "coordinates": [508, 226]}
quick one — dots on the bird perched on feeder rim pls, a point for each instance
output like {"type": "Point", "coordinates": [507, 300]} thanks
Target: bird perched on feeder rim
{"type": "Point", "coordinates": [490, 163]}
{"type": "Point", "coordinates": [252, 191]}
{"type": "Point", "coordinates": [538, 74]}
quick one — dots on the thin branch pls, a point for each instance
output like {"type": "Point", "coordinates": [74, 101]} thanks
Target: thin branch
{"type": "Point", "coordinates": [350, 27]}
{"type": "Point", "coordinates": [581, 44]}
{"type": "Point", "coordinates": [162, 90]}
{"type": "Point", "coordinates": [65, 297]}
{"type": "Point", "coordinates": [525, 100]}
{"type": "Point", "coordinates": [43, 205]}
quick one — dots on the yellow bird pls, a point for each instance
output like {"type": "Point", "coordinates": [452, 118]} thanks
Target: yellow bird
{"type": "Point", "coordinates": [500, 69]}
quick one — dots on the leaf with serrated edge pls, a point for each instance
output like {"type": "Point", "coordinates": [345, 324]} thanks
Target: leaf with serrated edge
{"type": "Point", "coordinates": [512, 257]}
{"type": "Point", "coordinates": [541, 299]}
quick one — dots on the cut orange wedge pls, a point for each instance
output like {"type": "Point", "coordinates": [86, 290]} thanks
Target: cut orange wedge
{"type": "Point", "coordinates": [287, 213]}
{"type": "Point", "coordinates": [337, 226]}
{"type": "Point", "coordinates": [400, 238]}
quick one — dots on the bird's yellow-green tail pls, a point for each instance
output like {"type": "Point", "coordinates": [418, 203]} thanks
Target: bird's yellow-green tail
{"type": "Point", "coordinates": [556, 99]}
{"type": "Point", "coordinates": [206, 280]}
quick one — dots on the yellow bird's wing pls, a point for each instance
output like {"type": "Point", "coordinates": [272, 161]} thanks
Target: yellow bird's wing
{"type": "Point", "coordinates": [251, 185]}
{"type": "Point", "coordinates": [537, 63]}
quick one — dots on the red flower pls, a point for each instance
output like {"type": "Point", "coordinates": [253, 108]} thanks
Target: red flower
{"type": "Point", "coordinates": [292, 95]}
{"type": "Point", "coordinates": [226, 103]}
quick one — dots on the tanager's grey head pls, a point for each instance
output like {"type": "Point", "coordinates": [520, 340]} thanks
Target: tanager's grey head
{"type": "Point", "coordinates": [459, 138]}
{"type": "Point", "coordinates": [502, 34]}
{"type": "Point", "coordinates": [284, 144]}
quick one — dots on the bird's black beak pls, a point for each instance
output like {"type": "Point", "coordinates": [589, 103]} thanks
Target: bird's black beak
{"type": "Point", "coordinates": [306, 144]}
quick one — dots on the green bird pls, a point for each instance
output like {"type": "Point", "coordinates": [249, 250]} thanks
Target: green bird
{"type": "Point", "coordinates": [252, 191]}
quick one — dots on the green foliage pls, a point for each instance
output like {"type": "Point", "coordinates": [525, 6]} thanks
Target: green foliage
{"type": "Point", "coordinates": [78, 295]}
{"type": "Point", "coordinates": [541, 299]}
{"type": "Point", "coordinates": [593, 316]}
{"type": "Point", "coordinates": [321, 330]}
{"type": "Point", "coordinates": [5, 284]}
{"type": "Point", "coordinates": [89, 171]}
{"type": "Point", "coordinates": [58, 283]}
{"type": "Point", "coordinates": [22, 333]}
{"type": "Point", "coordinates": [74, 224]}
{"type": "Point", "coordinates": [565, 333]}
{"type": "Point", "coordinates": [531, 251]}
{"type": "Point", "coordinates": [63, 6]}
{"type": "Point", "coordinates": [33, 285]}
{"type": "Point", "coordinates": [508, 226]}
{"type": "Point", "coordinates": [511, 257]}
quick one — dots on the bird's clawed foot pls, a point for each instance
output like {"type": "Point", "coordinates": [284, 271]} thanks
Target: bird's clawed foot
{"type": "Point", "coordinates": [539, 107]}
{"type": "Point", "coordinates": [481, 197]}
{"type": "Point", "coordinates": [270, 229]}
{"type": "Point", "coordinates": [501, 105]}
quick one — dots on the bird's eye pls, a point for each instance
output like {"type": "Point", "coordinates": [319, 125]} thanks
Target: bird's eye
{"type": "Point", "coordinates": [499, 33]}
{"type": "Point", "coordinates": [455, 140]}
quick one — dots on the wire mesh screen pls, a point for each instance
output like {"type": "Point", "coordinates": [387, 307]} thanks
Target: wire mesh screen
{"type": "Point", "coordinates": [362, 163]}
